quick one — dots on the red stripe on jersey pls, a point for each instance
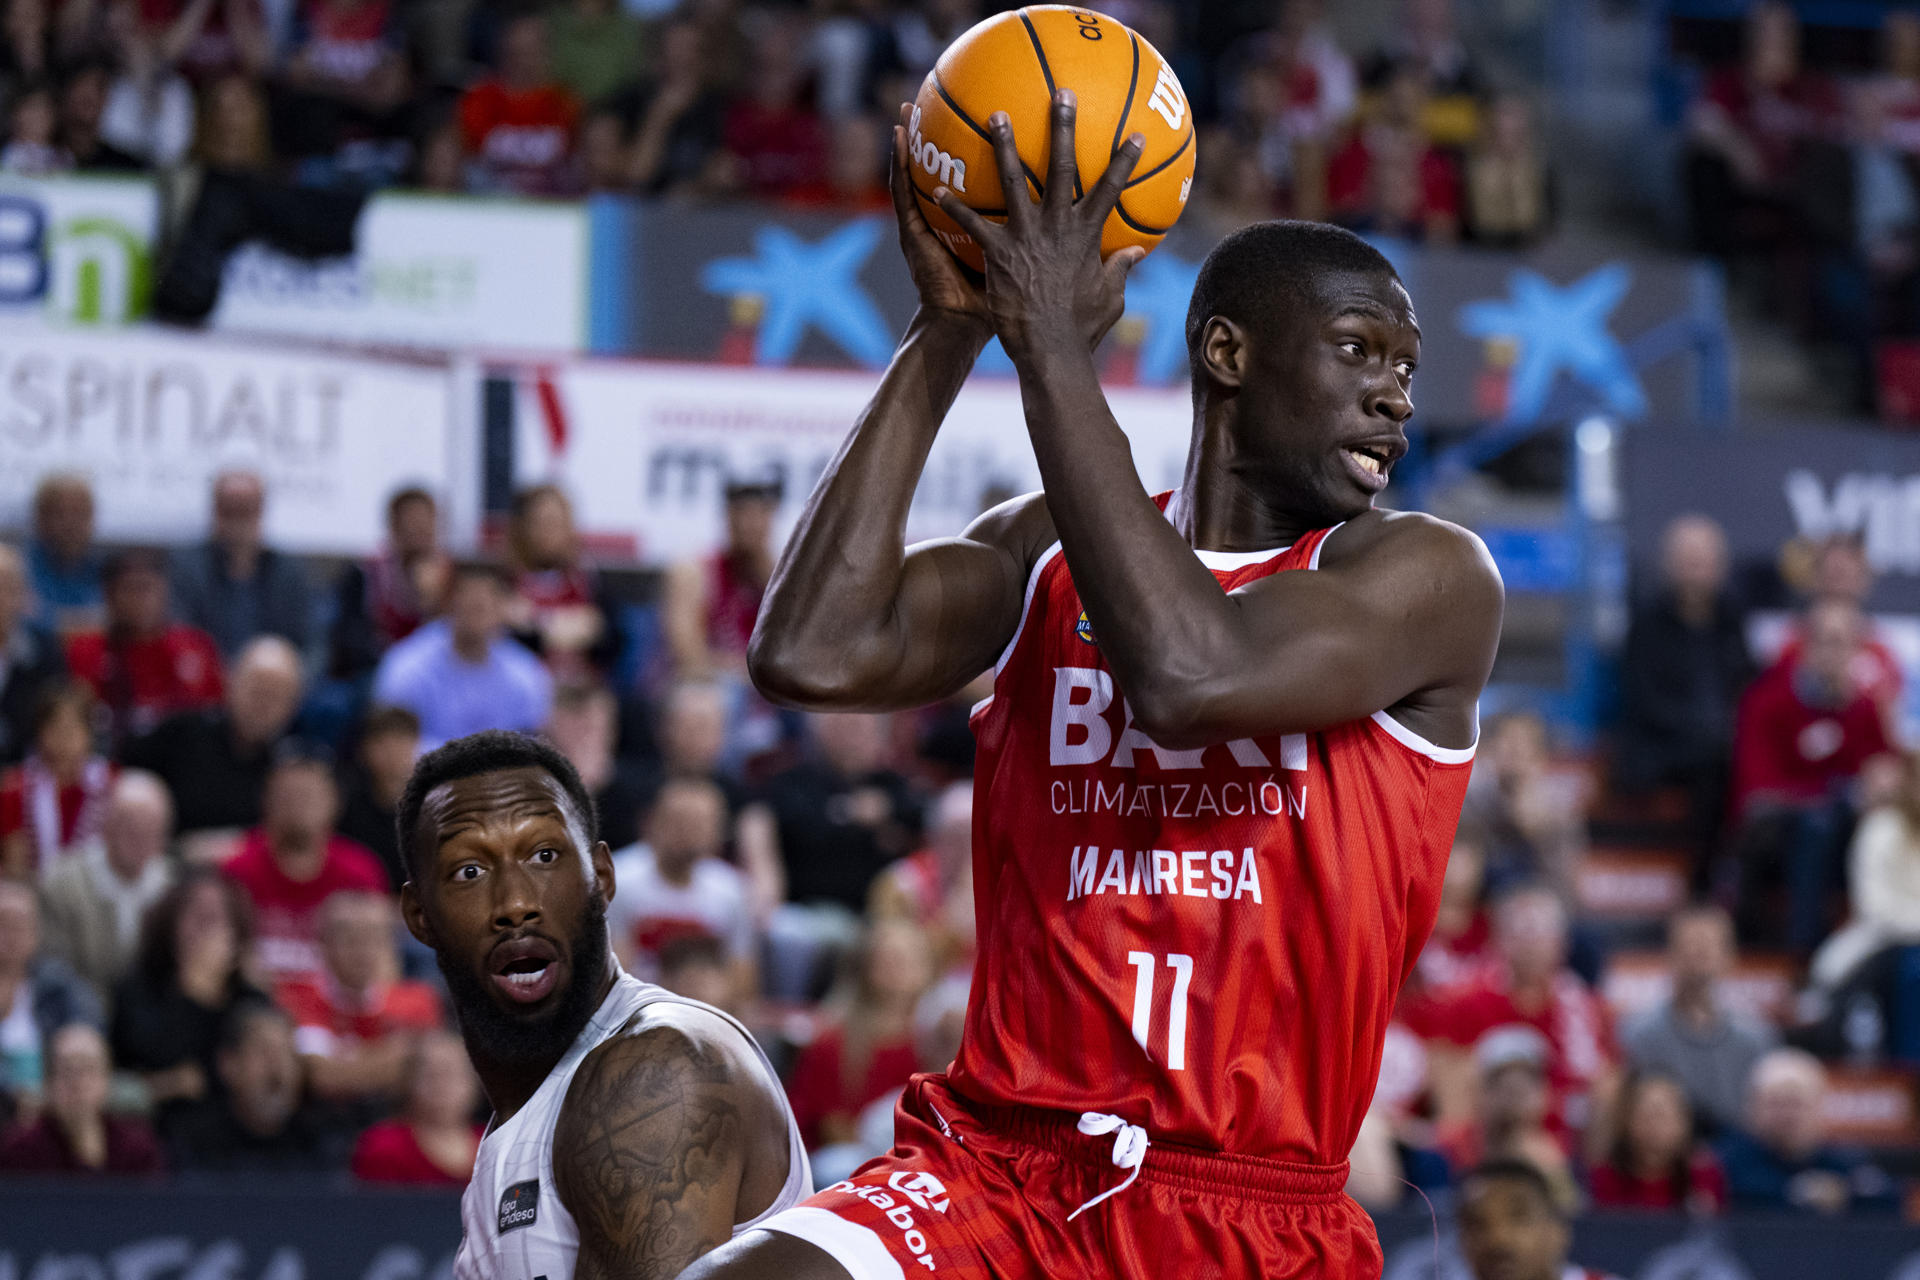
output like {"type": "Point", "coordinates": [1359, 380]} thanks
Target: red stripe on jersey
{"type": "Point", "coordinates": [1250, 909]}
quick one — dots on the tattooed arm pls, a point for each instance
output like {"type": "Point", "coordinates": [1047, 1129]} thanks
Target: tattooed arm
{"type": "Point", "coordinates": [651, 1152]}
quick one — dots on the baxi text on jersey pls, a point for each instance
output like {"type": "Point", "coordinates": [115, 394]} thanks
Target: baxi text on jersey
{"type": "Point", "coordinates": [1177, 799]}
{"type": "Point", "coordinates": [1222, 875]}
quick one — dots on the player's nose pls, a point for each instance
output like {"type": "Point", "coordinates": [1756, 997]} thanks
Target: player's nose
{"type": "Point", "coordinates": [1387, 398]}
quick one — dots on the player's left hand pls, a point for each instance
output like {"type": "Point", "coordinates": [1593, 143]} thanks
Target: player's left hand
{"type": "Point", "coordinates": [1045, 280]}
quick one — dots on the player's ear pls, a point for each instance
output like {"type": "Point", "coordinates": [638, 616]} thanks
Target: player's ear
{"type": "Point", "coordinates": [416, 916]}
{"type": "Point", "coordinates": [1223, 351]}
{"type": "Point", "coordinates": [602, 858]}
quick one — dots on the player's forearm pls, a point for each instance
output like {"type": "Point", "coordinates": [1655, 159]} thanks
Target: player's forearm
{"type": "Point", "coordinates": [1159, 614]}
{"type": "Point", "coordinates": [824, 626]}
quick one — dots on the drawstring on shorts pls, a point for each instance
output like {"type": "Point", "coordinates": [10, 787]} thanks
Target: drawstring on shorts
{"type": "Point", "coordinates": [1129, 1150]}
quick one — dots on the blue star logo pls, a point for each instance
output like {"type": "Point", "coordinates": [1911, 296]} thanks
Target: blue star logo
{"type": "Point", "coordinates": [1157, 293]}
{"type": "Point", "coordinates": [1560, 330]}
{"type": "Point", "coordinates": [808, 284]}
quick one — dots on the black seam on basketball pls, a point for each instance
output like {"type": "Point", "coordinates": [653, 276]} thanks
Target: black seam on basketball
{"type": "Point", "coordinates": [1177, 153]}
{"type": "Point", "coordinates": [1047, 73]}
{"type": "Point", "coordinates": [1141, 227]}
{"type": "Point", "coordinates": [967, 120]}
{"type": "Point", "coordinates": [1133, 82]}
{"type": "Point", "coordinates": [928, 197]}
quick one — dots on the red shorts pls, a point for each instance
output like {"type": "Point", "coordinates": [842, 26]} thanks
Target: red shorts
{"type": "Point", "coordinates": [976, 1193]}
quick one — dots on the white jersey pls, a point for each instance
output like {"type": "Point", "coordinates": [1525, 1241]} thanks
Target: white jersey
{"type": "Point", "coordinates": [512, 1222]}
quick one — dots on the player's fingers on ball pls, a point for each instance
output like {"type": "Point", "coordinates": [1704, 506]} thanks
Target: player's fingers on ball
{"type": "Point", "coordinates": [1061, 168]}
{"type": "Point", "coordinates": [1106, 193]}
{"type": "Point", "coordinates": [1120, 265]}
{"type": "Point", "coordinates": [1013, 174]}
{"type": "Point", "coordinates": [897, 174]}
{"type": "Point", "coordinates": [983, 232]}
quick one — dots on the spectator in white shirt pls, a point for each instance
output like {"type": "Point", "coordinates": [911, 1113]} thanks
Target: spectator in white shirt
{"type": "Point", "coordinates": [675, 886]}
{"type": "Point", "coordinates": [92, 904]}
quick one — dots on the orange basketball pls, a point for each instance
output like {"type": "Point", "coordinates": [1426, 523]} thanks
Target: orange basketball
{"type": "Point", "coordinates": [1013, 63]}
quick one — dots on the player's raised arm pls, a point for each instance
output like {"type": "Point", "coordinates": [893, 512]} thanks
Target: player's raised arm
{"type": "Point", "coordinates": [1405, 611]}
{"type": "Point", "coordinates": [650, 1153]}
{"type": "Point", "coordinates": [853, 618]}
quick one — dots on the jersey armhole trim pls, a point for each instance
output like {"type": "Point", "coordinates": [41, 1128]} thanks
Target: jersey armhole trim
{"type": "Point", "coordinates": [1313, 561]}
{"type": "Point", "coordinates": [1026, 607]}
{"type": "Point", "coordinates": [1414, 742]}
{"type": "Point", "coordinates": [857, 1248]}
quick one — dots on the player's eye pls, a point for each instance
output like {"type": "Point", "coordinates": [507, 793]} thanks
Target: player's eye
{"type": "Point", "coordinates": [1406, 368]}
{"type": "Point", "coordinates": [466, 871]}
{"type": "Point", "coordinates": [546, 857]}
{"type": "Point", "coordinates": [1353, 348]}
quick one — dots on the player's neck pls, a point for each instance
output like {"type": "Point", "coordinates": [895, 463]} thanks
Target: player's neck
{"type": "Point", "coordinates": [1215, 510]}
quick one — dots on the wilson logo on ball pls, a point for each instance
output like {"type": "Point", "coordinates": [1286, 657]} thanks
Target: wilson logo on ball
{"type": "Point", "coordinates": [1167, 101]}
{"type": "Point", "coordinates": [932, 159]}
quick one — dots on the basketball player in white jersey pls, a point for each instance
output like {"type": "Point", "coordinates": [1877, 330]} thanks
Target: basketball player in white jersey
{"type": "Point", "coordinates": [633, 1129]}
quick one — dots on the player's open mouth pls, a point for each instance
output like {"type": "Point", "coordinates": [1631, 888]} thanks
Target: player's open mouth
{"type": "Point", "coordinates": [1368, 465]}
{"type": "Point", "coordinates": [525, 970]}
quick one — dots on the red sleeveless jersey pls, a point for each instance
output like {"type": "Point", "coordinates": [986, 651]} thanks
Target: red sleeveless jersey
{"type": "Point", "coordinates": [1207, 943]}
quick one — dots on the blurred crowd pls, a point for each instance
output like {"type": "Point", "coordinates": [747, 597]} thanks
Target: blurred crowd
{"type": "Point", "coordinates": [201, 752]}
{"type": "Point", "coordinates": [1803, 174]}
{"type": "Point", "coordinates": [1763, 751]}
{"type": "Point", "coordinates": [789, 102]}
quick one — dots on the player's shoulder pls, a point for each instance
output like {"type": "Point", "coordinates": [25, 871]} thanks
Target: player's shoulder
{"type": "Point", "coordinates": [668, 1048]}
{"type": "Point", "coordinates": [1446, 552]}
{"type": "Point", "coordinates": [1022, 527]}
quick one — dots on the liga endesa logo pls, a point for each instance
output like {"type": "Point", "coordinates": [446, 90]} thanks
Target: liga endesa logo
{"type": "Point", "coordinates": [925, 1190]}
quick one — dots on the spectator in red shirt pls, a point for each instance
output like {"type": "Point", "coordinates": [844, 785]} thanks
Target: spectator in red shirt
{"type": "Point", "coordinates": [1810, 749]}
{"type": "Point", "coordinates": [560, 609]}
{"type": "Point", "coordinates": [75, 1134]}
{"type": "Point", "coordinates": [1838, 570]}
{"type": "Point", "coordinates": [357, 1021]}
{"type": "Point", "coordinates": [206, 38]}
{"type": "Point", "coordinates": [711, 604]}
{"type": "Point", "coordinates": [1653, 1160]}
{"type": "Point", "coordinates": [385, 599]}
{"type": "Point", "coordinates": [434, 1141]}
{"type": "Point", "coordinates": [1745, 135]}
{"type": "Point", "coordinates": [1388, 179]}
{"type": "Point", "coordinates": [52, 803]}
{"type": "Point", "coordinates": [1530, 986]}
{"type": "Point", "coordinates": [867, 1048]}
{"type": "Point", "coordinates": [519, 125]}
{"type": "Point", "coordinates": [293, 862]}
{"type": "Point", "coordinates": [142, 666]}
{"type": "Point", "coordinates": [776, 139]}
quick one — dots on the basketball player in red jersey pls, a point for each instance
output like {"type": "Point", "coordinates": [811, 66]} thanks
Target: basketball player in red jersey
{"type": "Point", "coordinates": [1217, 779]}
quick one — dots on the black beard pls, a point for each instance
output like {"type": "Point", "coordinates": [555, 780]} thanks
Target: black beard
{"type": "Point", "coordinates": [499, 1037]}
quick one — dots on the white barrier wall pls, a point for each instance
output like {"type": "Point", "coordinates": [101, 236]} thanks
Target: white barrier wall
{"type": "Point", "coordinates": [151, 416]}
{"type": "Point", "coordinates": [645, 448]}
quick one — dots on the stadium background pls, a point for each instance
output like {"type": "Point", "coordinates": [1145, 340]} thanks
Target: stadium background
{"type": "Point", "coordinates": [1665, 260]}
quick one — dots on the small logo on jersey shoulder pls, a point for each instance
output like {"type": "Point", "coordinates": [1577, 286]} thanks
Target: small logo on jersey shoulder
{"type": "Point", "coordinates": [925, 1190]}
{"type": "Point", "coordinates": [1084, 629]}
{"type": "Point", "coordinates": [519, 1206]}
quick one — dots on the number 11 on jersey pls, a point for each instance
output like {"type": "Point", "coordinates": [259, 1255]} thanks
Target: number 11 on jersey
{"type": "Point", "coordinates": [1144, 964]}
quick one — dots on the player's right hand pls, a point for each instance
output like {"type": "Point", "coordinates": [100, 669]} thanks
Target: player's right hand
{"type": "Point", "coordinates": [943, 283]}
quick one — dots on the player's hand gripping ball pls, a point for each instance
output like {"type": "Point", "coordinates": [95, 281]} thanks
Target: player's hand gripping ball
{"type": "Point", "coordinates": [1013, 63]}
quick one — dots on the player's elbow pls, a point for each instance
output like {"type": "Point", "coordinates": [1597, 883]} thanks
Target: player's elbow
{"type": "Point", "coordinates": [794, 674]}
{"type": "Point", "coordinates": [1177, 715]}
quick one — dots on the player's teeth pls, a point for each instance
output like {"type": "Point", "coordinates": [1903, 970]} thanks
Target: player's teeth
{"type": "Point", "coordinates": [1367, 460]}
